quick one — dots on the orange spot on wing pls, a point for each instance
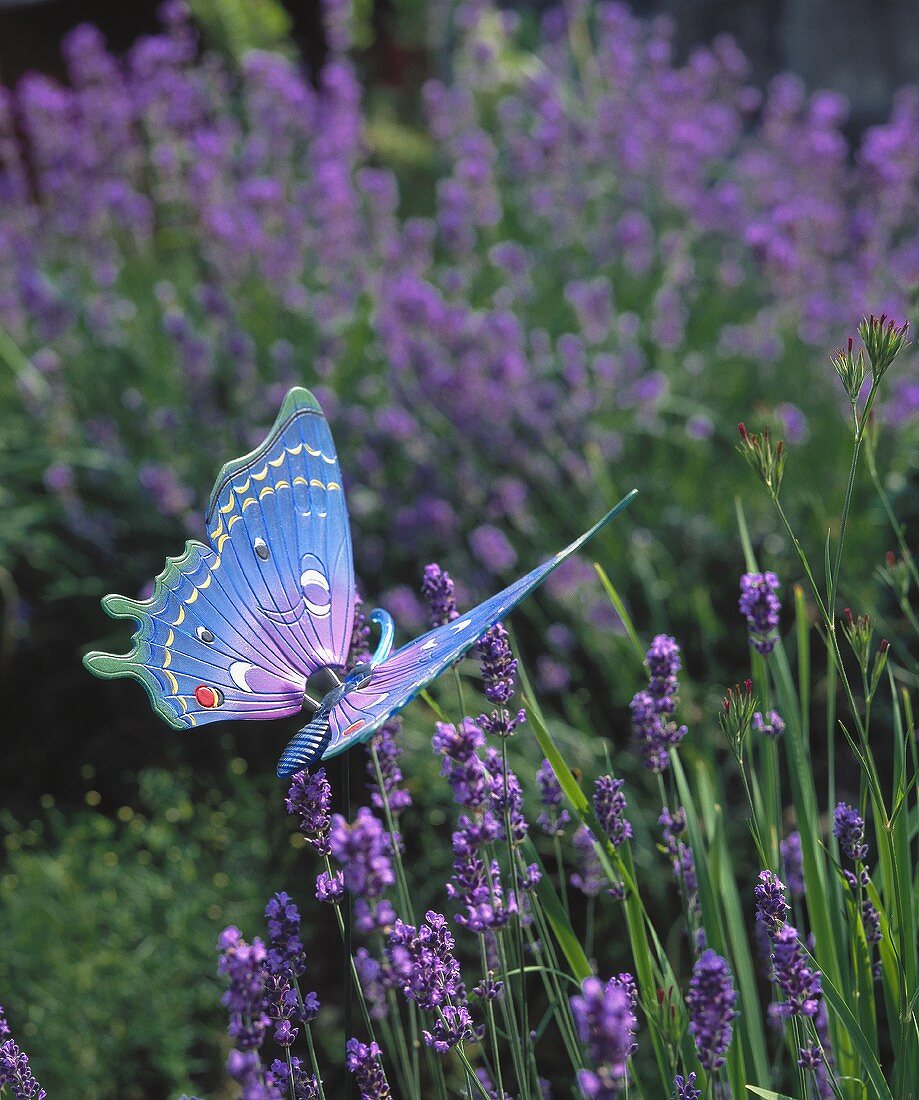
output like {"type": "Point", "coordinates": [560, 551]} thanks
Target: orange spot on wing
{"type": "Point", "coordinates": [353, 728]}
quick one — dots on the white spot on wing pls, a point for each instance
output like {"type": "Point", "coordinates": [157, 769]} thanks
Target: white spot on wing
{"type": "Point", "coordinates": [462, 624]}
{"type": "Point", "coordinates": [238, 672]}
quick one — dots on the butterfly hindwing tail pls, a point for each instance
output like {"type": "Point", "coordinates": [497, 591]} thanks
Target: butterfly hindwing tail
{"type": "Point", "coordinates": [306, 747]}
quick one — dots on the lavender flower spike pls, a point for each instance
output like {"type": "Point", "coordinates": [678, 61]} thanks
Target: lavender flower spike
{"type": "Point", "coordinates": [849, 830]}
{"type": "Point", "coordinates": [771, 903]}
{"type": "Point", "coordinates": [652, 709]}
{"type": "Point", "coordinates": [440, 594]}
{"type": "Point", "coordinates": [684, 1088]}
{"type": "Point", "coordinates": [499, 677]}
{"type": "Point", "coordinates": [770, 724]}
{"type": "Point", "coordinates": [365, 1064]}
{"type": "Point", "coordinates": [711, 1000]}
{"type": "Point", "coordinates": [798, 983]}
{"type": "Point", "coordinates": [610, 805]}
{"type": "Point", "coordinates": [552, 820]}
{"type": "Point", "coordinates": [759, 603]}
{"type": "Point", "coordinates": [15, 1071]}
{"type": "Point", "coordinates": [606, 1024]}
{"type": "Point", "coordinates": [310, 796]}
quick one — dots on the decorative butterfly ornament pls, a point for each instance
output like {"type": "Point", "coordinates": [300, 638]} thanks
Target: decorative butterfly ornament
{"type": "Point", "coordinates": [258, 624]}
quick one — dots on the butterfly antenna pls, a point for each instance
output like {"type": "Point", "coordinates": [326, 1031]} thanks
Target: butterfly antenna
{"type": "Point", "coordinates": [306, 747]}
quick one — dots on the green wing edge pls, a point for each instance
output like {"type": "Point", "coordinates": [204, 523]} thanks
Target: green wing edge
{"type": "Point", "coordinates": [110, 666]}
{"type": "Point", "coordinates": [298, 400]}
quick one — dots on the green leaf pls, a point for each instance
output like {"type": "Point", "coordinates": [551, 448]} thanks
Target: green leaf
{"type": "Point", "coordinates": [768, 1094]}
{"type": "Point", "coordinates": [567, 938]}
{"type": "Point", "coordinates": [616, 601]}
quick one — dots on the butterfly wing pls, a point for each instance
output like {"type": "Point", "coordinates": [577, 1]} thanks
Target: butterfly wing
{"type": "Point", "coordinates": [396, 681]}
{"type": "Point", "coordinates": [278, 522]}
{"type": "Point", "coordinates": [198, 653]}
{"type": "Point", "coordinates": [234, 630]}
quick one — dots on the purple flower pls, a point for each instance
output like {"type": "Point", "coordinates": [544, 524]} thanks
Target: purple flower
{"type": "Point", "coordinates": [652, 709]}
{"type": "Point", "coordinates": [711, 1000]}
{"type": "Point", "coordinates": [465, 772]}
{"type": "Point", "coordinates": [310, 796]}
{"type": "Point", "coordinates": [423, 962]}
{"type": "Point", "coordinates": [771, 903]}
{"type": "Point", "coordinates": [760, 605]}
{"type": "Point", "coordinates": [684, 1088]}
{"type": "Point", "coordinates": [424, 967]}
{"type": "Point", "coordinates": [359, 650]}
{"type": "Point", "coordinates": [610, 806]}
{"type": "Point", "coordinates": [363, 850]}
{"type": "Point", "coordinates": [439, 592]}
{"type": "Point", "coordinates": [245, 999]}
{"type": "Point", "coordinates": [793, 864]}
{"type": "Point", "coordinates": [285, 954]}
{"type": "Point", "coordinates": [388, 753]}
{"type": "Point", "coordinates": [366, 1065]}
{"type": "Point", "coordinates": [589, 878]}
{"type": "Point", "coordinates": [476, 881]}
{"type": "Point", "coordinates": [330, 887]}
{"type": "Point", "coordinates": [375, 979]}
{"type": "Point", "coordinates": [15, 1071]}
{"type": "Point", "coordinates": [552, 820]}
{"type": "Point", "coordinates": [606, 1024]}
{"type": "Point", "coordinates": [797, 982]}
{"type": "Point", "coordinates": [849, 830]}
{"type": "Point", "coordinates": [683, 862]}
{"type": "Point", "coordinates": [499, 676]}
{"type": "Point", "coordinates": [769, 725]}
{"type": "Point", "coordinates": [871, 922]}
{"type": "Point", "coordinates": [284, 1078]}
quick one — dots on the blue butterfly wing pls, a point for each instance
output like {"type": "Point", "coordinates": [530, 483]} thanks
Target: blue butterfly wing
{"type": "Point", "coordinates": [200, 655]}
{"type": "Point", "coordinates": [278, 521]}
{"type": "Point", "coordinates": [396, 681]}
{"type": "Point", "coordinates": [234, 630]}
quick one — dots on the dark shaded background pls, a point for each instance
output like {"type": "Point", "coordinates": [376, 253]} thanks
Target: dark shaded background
{"type": "Point", "coordinates": [865, 49]}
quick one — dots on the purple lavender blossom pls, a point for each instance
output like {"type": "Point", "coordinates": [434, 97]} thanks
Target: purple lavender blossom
{"type": "Point", "coordinates": [439, 592]}
{"type": "Point", "coordinates": [375, 980]}
{"type": "Point", "coordinates": [849, 830]}
{"type": "Point", "coordinates": [245, 999]}
{"type": "Point", "coordinates": [285, 954]}
{"type": "Point", "coordinates": [363, 850]}
{"type": "Point", "coordinates": [793, 864]}
{"type": "Point", "coordinates": [15, 1071]}
{"type": "Point", "coordinates": [760, 605]}
{"type": "Point", "coordinates": [871, 922]}
{"type": "Point", "coordinates": [771, 903]}
{"type": "Point", "coordinates": [711, 1000]}
{"type": "Point", "coordinates": [359, 649]}
{"type": "Point", "coordinates": [294, 1078]}
{"type": "Point", "coordinates": [499, 677]}
{"type": "Point", "coordinates": [462, 766]}
{"type": "Point", "coordinates": [552, 820]}
{"type": "Point", "coordinates": [684, 1088]}
{"type": "Point", "coordinates": [606, 1025]}
{"type": "Point", "coordinates": [683, 863]}
{"type": "Point", "coordinates": [652, 709]}
{"type": "Point", "coordinates": [589, 879]}
{"type": "Point", "coordinates": [424, 967]}
{"type": "Point", "coordinates": [770, 724]}
{"type": "Point", "coordinates": [365, 1063]}
{"type": "Point", "coordinates": [388, 752]}
{"type": "Point", "coordinates": [476, 882]}
{"type": "Point", "coordinates": [330, 887]}
{"type": "Point", "coordinates": [797, 982]}
{"type": "Point", "coordinates": [310, 796]}
{"type": "Point", "coordinates": [610, 805]}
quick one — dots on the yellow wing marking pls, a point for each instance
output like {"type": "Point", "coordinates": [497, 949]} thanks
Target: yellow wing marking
{"type": "Point", "coordinates": [170, 638]}
{"type": "Point", "coordinates": [262, 474]}
{"type": "Point", "coordinates": [180, 618]}
{"type": "Point", "coordinates": [216, 564]}
{"type": "Point", "coordinates": [172, 680]}
{"type": "Point", "coordinates": [248, 501]}
{"type": "Point", "coordinates": [167, 659]}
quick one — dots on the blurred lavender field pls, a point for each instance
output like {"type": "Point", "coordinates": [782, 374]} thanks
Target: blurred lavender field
{"type": "Point", "coordinates": [568, 270]}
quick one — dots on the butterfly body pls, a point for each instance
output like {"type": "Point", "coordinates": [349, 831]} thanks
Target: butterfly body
{"type": "Point", "coordinates": [249, 625]}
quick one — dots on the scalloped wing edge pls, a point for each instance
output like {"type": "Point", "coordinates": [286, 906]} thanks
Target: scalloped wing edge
{"type": "Point", "coordinates": [297, 400]}
{"type": "Point", "coordinates": [111, 666]}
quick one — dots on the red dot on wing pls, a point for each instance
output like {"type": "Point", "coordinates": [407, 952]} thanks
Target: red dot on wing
{"type": "Point", "coordinates": [353, 728]}
{"type": "Point", "coordinates": [207, 696]}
